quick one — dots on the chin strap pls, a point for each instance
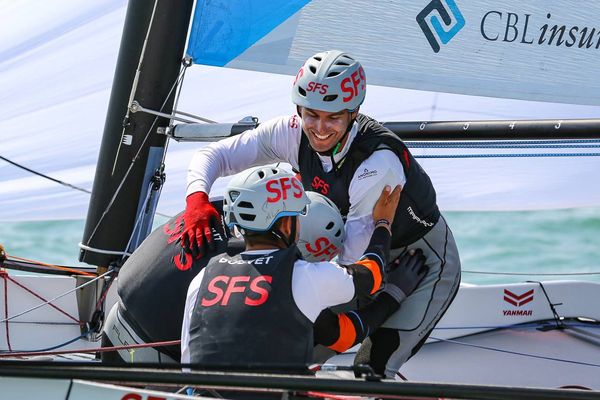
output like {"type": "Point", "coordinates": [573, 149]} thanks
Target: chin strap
{"type": "Point", "coordinates": [288, 241]}
{"type": "Point", "coordinates": [334, 150]}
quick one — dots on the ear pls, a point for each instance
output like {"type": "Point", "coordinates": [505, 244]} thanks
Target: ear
{"type": "Point", "coordinates": [299, 111]}
{"type": "Point", "coordinates": [286, 226]}
{"type": "Point", "coordinates": [354, 113]}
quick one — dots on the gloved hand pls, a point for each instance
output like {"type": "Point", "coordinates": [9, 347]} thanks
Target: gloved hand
{"type": "Point", "coordinates": [198, 219]}
{"type": "Point", "coordinates": [405, 273]}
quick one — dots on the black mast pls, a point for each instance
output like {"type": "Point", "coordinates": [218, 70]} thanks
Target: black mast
{"type": "Point", "coordinates": [130, 141]}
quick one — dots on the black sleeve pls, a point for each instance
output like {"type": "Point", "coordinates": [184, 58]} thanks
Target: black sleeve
{"type": "Point", "coordinates": [331, 331]}
{"type": "Point", "coordinates": [368, 271]}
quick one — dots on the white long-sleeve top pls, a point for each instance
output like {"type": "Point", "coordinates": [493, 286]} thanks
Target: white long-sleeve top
{"type": "Point", "coordinates": [278, 140]}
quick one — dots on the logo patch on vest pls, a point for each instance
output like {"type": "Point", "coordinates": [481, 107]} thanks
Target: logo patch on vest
{"type": "Point", "coordinates": [367, 174]}
{"type": "Point", "coordinates": [222, 287]}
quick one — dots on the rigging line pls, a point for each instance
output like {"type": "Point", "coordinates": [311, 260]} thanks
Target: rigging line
{"type": "Point", "coordinates": [531, 325]}
{"type": "Point", "coordinates": [516, 352]}
{"type": "Point", "coordinates": [179, 84]}
{"type": "Point", "coordinates": [504, 146]}
{"type": "Point", "coordinates": [43, 299]}
{"type": "Point", "coordinates": [557, 318]}
{"type": "Point", "coordinates": [45, 176]}
{"type": "Point", "coordinates": [118, 189]}
{"type": "Point", "coordinates": [135, 81]}
{"type": "Point", "coordinates": [4, 276]}
{"type": "Point", "coordinates": [58, 180]}
{"type": "Point", "coordinates": [509, 155]}
{"type": "Point", "coordinates": [532, 273]}
{"type": "Point", "coordinates": [21, 353]}
{"type": "Point", "coordinates": [75, 271]}
{"type": "Point", "coordinates": [57, 297]}
{"type": "Point", "coordinates": [97, 350]}
{"type": "Point", "coordinates": [499, 142]}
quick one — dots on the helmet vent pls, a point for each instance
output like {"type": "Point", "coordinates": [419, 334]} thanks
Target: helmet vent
{"type": "Point", "coordinates": [233, 195]}
{"type": "Point", "coordinates": [330, 97]}
{"type": "Point", "coordinates": [245, 204]}
{"type": "Point", "coordinates": [261, 174]}
{"type": "Point", "coordinates": [345, 64]}
{"type": "Point", "coordinates": [329, 225]}
{"type": "Point", "coordinates": [247, 217]}
{"type": "Point", "coordinates": [273, 170]}
{"type": "Point", "coordinates": [313, 69]}
{"type": "Point", "coordinates": [333, 73]}
{"type": "Point", "coordinates": [301, 91]}
{"type": "Point", "coordinates": [318, 58]}
{"type": "Point", "coordinates": [338, 233]}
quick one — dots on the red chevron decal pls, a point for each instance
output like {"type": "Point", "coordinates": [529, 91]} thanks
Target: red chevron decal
{"type": "Point", "coordinates": [518, 300]}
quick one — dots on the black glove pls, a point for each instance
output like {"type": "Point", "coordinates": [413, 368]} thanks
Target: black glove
{"type": "Point", "coordinates": [404, 274]}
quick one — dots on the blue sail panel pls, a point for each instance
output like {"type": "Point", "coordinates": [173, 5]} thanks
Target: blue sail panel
{"type": "Point", "coordinates": [224, 29]}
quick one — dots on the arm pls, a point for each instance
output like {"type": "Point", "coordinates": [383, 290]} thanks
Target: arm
{"type": "Point", "coordinates": [359, 223]}
{"type": "Point", "coordinates": [339, 332]}
{"type": "Point", "coordinates": [273, 141]}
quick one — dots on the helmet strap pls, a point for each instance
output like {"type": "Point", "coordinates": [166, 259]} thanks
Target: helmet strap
{"type": "Point", "coordinates": [290, 240]}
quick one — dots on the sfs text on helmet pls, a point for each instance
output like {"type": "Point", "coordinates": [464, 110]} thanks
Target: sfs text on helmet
{"type": "Point", "coordinates": [257, 198]}
{"type": "Point", "coordinates": [321, 229]}
{"type": "Point", "coordinates": [330, 81]}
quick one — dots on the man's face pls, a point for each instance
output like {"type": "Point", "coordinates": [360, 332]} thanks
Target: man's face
{"type": "Point", "coordinates": [324, 129]}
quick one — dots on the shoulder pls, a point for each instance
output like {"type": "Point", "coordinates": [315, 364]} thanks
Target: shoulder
{"type": "Point", "coordinates": [377, 165]}
{"type": "Point", "coordinates": [284, 124]}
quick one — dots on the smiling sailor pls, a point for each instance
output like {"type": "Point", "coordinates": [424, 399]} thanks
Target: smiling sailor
{"type": "Point", "coordinates": [349, 158]}
{"type": "Point", "coordinates": [260, 309]}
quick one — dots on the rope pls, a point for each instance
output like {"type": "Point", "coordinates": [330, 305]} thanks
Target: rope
{"type": "Point", "coordinates": [57, 297]}
{"type": "Point", "coordinates": [508, 155]}
{"type": "Point", "coordinates": [100, 350]}
{"type": "Point", "coordinates": [45, 176]}
{"type": "Point", "coordinates": [46, 351]}
{"type": "Point", "coordinates": [532, 273]}
{"type": "Point", "coordinates": [43, 299]}
{"type": "Point", "coordinates": [517, 353]}
{"type": "Point", "coordinates": [4, 275]}
{"type": "Point", "coordinates": [531, 144]}
{"type": "Point", "coordinates": [75, 271]}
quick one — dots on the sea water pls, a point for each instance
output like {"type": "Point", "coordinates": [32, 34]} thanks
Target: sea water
{"type": "Point", "coordinates": [495, 247]}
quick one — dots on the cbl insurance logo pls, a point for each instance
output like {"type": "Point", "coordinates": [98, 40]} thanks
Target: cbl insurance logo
{"type": "Point", "coordinates": [440, 21]}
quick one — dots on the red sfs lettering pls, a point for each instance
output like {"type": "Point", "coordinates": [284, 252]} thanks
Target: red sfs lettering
{"type": "Point", "coordinates": [294, 122]}
{"type": "Point", "coordinates": [319, 185]}
{"type": "Point", "coordinates": [279, 189]}
{"type": "Point", "coordinates": [221, 288]}
{"type": "Point", "coordinates": [299, 74]}
{"type": "Point", "coordinates": [351, 84]}
{"type": "Point", "coordinates": [322, 248]}
{"type": "Point", "coordinates": [175, 231]}
{"type": "Point", "coordinates": [317, 87]}
{"type": "Point", "coordinates": [135, 396]}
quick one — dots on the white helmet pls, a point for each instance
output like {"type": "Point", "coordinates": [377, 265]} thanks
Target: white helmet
{"type": "Point", "coordinates": [258, 197]}
{"type": "Point", "coordinates": [321, 229]}
{"type": "Point", "coordinates": [331, 81]}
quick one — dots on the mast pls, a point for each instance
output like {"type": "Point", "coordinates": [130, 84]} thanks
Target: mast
{"type": "Point", "coordinates": [131, 151]}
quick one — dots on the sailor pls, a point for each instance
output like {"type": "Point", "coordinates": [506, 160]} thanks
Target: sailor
{"type": "Point", "coordinates": [153, 282]}
{"type": "Point", "coordinates": [348, 157]}
{"type": "Point", "coordinates": [259, 309]}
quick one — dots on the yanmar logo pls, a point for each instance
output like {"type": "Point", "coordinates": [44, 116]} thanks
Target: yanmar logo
{"type": "Point", "coordinates": [518, 300]}
{"type": "Point", "coordinates": [440, 21]}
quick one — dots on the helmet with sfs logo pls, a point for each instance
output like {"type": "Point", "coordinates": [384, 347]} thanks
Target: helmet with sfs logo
{"type": "Point", "coordinates": [258, 197]}
{"type": "Point", "coordinates": [330, 81]}
{"type": "Point", "coordinates": [321, 229]}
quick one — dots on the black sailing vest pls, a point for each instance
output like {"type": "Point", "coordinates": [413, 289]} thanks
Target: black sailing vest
{"type": "Point", "coordinates": [246, 316]}
{"type": "Point", "coordinates": [153, 282]}
{"type": "Point", "coordinates": [417, 211]}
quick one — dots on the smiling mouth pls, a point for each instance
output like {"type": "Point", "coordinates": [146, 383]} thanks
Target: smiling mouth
{"type": "Point", "coordinates": [322, 137]}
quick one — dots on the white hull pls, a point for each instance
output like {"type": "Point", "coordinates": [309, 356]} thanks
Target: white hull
{"type": "Point", "coordinates": [480, 316]}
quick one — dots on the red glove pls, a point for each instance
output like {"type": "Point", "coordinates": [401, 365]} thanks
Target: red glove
{"type": "Point", "coordinates": [199, 217]}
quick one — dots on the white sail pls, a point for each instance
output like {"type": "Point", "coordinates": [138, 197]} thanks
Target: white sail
{"type": "Point", "coordinates": [57, 66]}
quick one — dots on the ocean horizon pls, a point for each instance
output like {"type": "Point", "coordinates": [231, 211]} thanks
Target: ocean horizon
{"type": "Point", "coordinates": [495, 247]}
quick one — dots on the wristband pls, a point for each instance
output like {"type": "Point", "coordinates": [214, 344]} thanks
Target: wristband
{"type": "Point", "coordinates": [383, 221]}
